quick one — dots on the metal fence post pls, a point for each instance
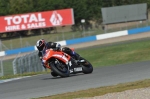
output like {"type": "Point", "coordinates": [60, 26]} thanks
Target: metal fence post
{"type": "Point", "coordinates": [14, 64]}
{"type": "Point", "coordinates": [2, 69]}
{"type": "Point", "coordinates": [29, 63]}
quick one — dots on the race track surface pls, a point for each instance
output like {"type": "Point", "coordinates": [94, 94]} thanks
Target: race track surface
{"type": "Point", "coordinates": [43, 85]}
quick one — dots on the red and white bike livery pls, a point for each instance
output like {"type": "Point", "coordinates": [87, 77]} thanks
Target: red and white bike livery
{"type": "Point", "coordinates": [62, 64]}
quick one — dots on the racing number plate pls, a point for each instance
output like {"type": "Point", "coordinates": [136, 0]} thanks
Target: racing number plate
{"type": "Point", "coordinates": [78, 69]}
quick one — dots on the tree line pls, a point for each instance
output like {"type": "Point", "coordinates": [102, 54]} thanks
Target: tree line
{"type": "Point", "coordinates": [87, 9]}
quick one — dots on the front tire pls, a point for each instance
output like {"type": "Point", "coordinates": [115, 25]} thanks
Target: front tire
{"type": "Point", "coordinates": [65, 73]}
{"type": "Point", "coordinates": [54, 74]}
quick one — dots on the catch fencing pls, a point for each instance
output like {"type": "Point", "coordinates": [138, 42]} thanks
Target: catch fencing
{"type": "Point", "coordinates": [1, 67]}
{"type": "Point", "coordinates": [27, 63]}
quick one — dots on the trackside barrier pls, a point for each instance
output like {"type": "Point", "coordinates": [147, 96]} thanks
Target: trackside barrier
{"type": "Point", "coordinates": [81, 40]}
{"type": "Point", "coordinates": [20, 50]}
{"type": "Point", "coordinates": [139, 30]}
{"type": "Point", "coordinates": [28, 63]}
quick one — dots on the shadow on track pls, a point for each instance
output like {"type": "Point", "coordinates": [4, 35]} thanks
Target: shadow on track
{"type": "Point", "coordinates": [72, 75]}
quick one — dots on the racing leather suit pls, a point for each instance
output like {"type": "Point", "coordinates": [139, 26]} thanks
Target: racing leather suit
{"type": "Point", "coordinates": [57, 46]}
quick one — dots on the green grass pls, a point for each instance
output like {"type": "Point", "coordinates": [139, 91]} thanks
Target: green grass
{"type": "Point", "coordinates": [117, 54]}
{"type": "Point", "coordinates": [22, 75]}
{"type": "Point", "coordinates": [7, 66]}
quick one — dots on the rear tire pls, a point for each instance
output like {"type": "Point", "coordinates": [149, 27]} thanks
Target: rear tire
{"type": "Point", "coordinates": [57, 71]}
{"type": "Point", "coordinates": [86, 66]}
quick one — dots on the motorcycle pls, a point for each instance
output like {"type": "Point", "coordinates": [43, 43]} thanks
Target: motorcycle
{"type": "Point", "coordinates": [62, 64]}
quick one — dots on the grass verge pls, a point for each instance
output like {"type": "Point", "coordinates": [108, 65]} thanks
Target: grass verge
{"type": "Point", "coordinates": [101, 90]}
{"type": "Point", "coordinates": [125, 52]}
{"type": "Point", "coordinates": [21, 75]}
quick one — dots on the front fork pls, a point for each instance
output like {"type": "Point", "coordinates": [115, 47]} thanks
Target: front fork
{"type": "Point", "coordinates": [73, 65]}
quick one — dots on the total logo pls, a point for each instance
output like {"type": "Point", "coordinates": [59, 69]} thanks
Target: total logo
{"type": "Point", "coordinates": [56, 19]}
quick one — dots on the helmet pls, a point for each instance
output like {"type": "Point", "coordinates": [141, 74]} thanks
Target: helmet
{"type": "Point", "coordinates": [40, 44]}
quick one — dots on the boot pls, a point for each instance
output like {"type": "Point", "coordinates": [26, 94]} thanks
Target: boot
{"type": "Point", "coordinates": [77, 58]}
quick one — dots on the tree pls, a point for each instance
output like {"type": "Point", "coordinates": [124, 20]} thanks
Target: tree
{"type": "Point", "coordinates": [3, 7]}
{"type": "Point", "coordinates": [20, 6]}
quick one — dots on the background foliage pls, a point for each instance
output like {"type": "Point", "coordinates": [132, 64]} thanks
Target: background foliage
{"type": "Point", "coordinates": [83, 9]}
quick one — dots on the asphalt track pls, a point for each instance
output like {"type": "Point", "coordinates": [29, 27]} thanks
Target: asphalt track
{"type": "Point", "coordinates": [43, 85]}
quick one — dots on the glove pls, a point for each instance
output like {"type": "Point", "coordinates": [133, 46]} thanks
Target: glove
{"type": "Point", "coordinates": [58, 46]}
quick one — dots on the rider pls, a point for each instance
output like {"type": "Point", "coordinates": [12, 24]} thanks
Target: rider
{"type": "Point", "coordinates": [42, 45]}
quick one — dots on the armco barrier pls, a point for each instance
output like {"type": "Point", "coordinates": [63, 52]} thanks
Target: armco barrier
{"type": "Point", "coordinates": [111, 35]}
{"type": "Point", "coordinates": [19, 50]}
{"type": "Point", "coordinates": [81, 40]}
{"type": "Point", "coordinates": [2, 53]}
{"type": "Point", "coordinates": [138, 30]}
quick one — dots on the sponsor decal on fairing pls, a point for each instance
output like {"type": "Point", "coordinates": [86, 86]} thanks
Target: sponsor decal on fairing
{"type": "Point", "coordinates": [61, 56]}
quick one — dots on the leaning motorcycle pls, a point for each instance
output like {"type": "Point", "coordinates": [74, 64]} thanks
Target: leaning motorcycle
{"type": "Point", "coordinates": [62, 64]}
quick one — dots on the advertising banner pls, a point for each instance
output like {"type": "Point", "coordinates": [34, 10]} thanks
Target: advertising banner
{"type": "Point", "coordinates": [36, 20]}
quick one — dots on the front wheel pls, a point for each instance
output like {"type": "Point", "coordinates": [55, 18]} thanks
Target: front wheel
{"type": "Point", "coordinates": [60, 69]}
{"type": "Point", "coordinates": [54, 74]}
{"type": "Point", "coordinates": [86, 66]}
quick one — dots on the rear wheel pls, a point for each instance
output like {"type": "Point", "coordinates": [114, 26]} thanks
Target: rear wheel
{"type": "Point", "coordinates": [60, 69]}
{"type": "Point", "coordinates": [86, 66]}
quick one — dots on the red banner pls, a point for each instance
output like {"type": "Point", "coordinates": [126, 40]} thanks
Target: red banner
{"type": "Point", "coordinates": [36, 20]}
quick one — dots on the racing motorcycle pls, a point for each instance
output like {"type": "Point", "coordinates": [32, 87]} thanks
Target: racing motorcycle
{"type": "Point", "coordinates": [62, 64]}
